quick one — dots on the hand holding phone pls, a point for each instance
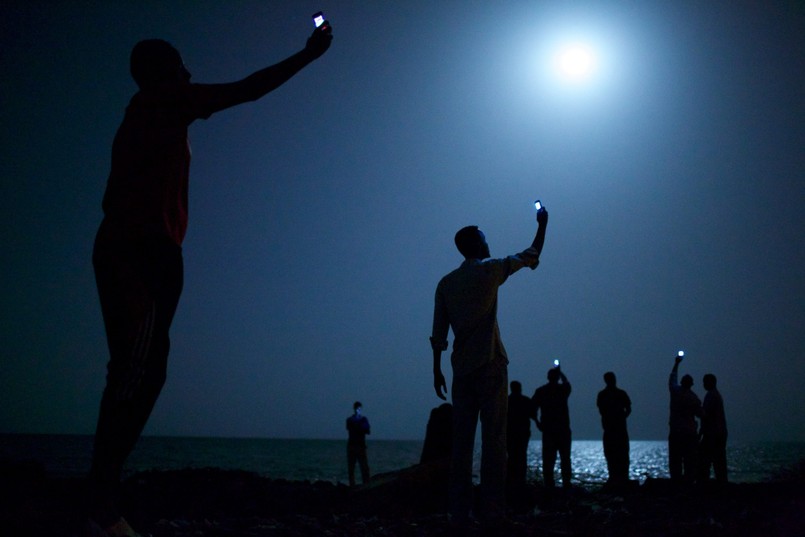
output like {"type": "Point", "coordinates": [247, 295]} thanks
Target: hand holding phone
{"type": "Point", "coordinates": [318, 19]}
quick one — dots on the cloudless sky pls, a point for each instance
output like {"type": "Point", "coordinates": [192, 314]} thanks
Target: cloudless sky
{"type": "Point", "coordinates": [323, 215]}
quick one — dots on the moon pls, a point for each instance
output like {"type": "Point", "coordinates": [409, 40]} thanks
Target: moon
{"type": "Point", "coordinates": [575, 62]}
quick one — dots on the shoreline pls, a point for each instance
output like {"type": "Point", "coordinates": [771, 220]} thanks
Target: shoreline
{"type": "Point", "coordinates": [408, 502]}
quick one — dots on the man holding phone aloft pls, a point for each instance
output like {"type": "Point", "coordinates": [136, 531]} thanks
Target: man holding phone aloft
{"type": "Point", "coordinates": [466, 300]}
{"type": "Point", "coordinates": [138, 254]}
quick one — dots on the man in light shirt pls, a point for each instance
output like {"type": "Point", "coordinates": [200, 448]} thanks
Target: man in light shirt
{"type": "Point", "coordinates": [466, 301]}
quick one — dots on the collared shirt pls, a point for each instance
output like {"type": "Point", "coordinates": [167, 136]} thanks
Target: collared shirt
{"type": "Point", "coordinates": [467, 301]}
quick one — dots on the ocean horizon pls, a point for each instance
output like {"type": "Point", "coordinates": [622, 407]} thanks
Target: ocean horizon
{"type": "Point", "coordinates": [325, 459]}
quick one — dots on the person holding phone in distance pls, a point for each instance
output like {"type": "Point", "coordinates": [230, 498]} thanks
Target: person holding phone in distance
{"type": "Point", "coordinates": [466, 301]}
{"type": "Point", "coordinates": [553, 420]}
{"type": "Point", "coordinates": [137, 255]}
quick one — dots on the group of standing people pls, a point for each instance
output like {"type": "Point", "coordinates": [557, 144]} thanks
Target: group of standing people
{"type": "Point", "coordinates": [693, 450]}
{"type": "Point", "coordinates": [548, 408]}
{"type": "Point", "coordinates": [466, 303]}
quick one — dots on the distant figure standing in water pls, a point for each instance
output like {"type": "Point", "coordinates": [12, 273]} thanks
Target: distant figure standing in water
{"type": "Point", "coordinates": [137, 255]}
{"type": "Point", "coordinates": [518, 433]}
{"type": "Point", "coordinates": [358, 427]}
{"type": "Point", "coordinates": [713, 446]}
{"type": "Point", "coordinates": [550, 404]}
{"type": "Point", "coordinates": [683, 437]}
{"type": "Point", "coordinates": [466, 301]}
{"type": "Point", "coordinates": [615, 406]}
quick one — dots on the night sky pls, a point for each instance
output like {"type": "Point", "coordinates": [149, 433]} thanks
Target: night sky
{"type": "Point", "coordinates": [323, 215]}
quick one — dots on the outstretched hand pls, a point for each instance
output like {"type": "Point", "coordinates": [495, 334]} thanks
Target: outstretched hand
{"type": "Point", "coordinates": [319, 41]}
{"type": "Point", "coordinates": [440, 385]}
{"type": "Point", "coordinates": [542, 216]}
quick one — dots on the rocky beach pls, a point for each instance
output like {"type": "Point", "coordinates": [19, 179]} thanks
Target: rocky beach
{"type": "Point", "coordinates": [411, 502]}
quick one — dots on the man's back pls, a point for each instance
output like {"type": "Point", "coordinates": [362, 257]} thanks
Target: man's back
{"type": "Point", "coordinates": [551, 399]}
{"type": "Point", "coordinates": [614, 405]}
{"type": "Point", "coordinates": [466, 300]}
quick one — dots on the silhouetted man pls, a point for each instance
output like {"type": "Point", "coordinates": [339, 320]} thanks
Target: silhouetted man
{"type": "Point", "coordinates": [138, 255]}
{"type": "Point", "coordinates": [615, 406]}
{"type": "Point", "coordinates": [466, 300]}
{"type": "Point", "coordinates": [518, 433]}
{"type": "Point", "coordinates": [358, 428]}
{"type": "Point", "coordinates": [713, 446]}
{"type": "Point", "coordinates": [683, 438]}
{"type": "Point", "coordinates": [550, 405]}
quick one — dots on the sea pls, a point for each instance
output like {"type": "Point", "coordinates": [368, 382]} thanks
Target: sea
{"type": "Point", "coordinates": [325, 460]}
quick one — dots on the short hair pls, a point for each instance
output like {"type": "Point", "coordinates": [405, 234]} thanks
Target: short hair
{"type": "Point", "coordinates": [610, 379]}
{"type": "Point", "coordinates": [356, 405]}
{"type": "Point", "coordinates": [553, 374]}
{"type": "Point", "coordinates": [153, 61]}
{"type": "Point", "coordinates": [516, 387]}
{"type": "Point", "coordinates": [709, 381]}
{"type": "Point", "coordinates": [687, 381]}
{"type": "Point", "coordinates": [467, 240]}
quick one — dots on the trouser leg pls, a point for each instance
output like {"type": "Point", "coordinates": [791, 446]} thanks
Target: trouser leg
{"type": "Point", "coordinates": [564, 458]}
{"type": "Point", "coordinates": [674, 457]}
{"type": "Point", "coordinates": [364, 463]}
{"type": "Point", "coordinates": [465, 422]}
{"type": "Point", "coordinates": [549, 448]}
{"type": "Point", "coordinates": [493, 409]}
{"type": "Point", "coordinates": [139, 287]}
{"type": "Point", "coordinates": [351, 460]}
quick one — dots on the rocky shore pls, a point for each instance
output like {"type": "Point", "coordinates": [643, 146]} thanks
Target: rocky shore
{"type": "Point", "coordinates": [411, 502]}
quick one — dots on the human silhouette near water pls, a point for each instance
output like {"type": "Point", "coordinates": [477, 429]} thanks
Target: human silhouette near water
{"type": "Point", "coordinates": [615, 406]}
{"type": "Point", "coordinates": [137, 255]}
{"type": "Point", "coordinates": [357, 427]}
{"type": "Point", "coordinates": [466, 302]}
{"type": "Point", "coordinates": [683, 435]}
{"type": "Point", "coordinates": [518, 433]}
{"type": "Point", "coordinates": [713, 444]}
{"type": "Point", "coordinates": [553, 419]}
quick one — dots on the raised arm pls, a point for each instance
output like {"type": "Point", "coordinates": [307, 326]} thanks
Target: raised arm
{"type": "Point", "coordinates": [539, 238]}
{"type": "Point", "coordinates": [256, 85]}
{"type": "Point", "coordinates": [673, 382]}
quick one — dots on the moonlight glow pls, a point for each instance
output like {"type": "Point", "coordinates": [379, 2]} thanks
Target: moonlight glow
{"type": "Point", "coordinates": [575, 62]}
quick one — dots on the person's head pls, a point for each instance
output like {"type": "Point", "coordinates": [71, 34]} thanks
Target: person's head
{"type": "Point", "coordinates": [610, 380]}
{"type": "Point", "coordinates": [687, 382]}
{"type": "Point", "coordinates": [155, 62]}
{"type": "Point", "coordinates": [516, 387]}
{"type": "Point", "coordinates": [709, 382]}
{"type": "Point", "coordinates": [471, 242]}
{"type": "Point", "coordinates": [553, 375]}
{"type": "Point", "coordinates": [357, 406]}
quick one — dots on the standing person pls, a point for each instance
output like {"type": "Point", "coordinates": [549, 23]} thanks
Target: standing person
{"type": "Point", "coordinates": [682, 438]}
{"type": "Point", "coordinates": [550, 404]}
{"type": "Point", "coordinates": [466, 300]}
{"type": "Point", "coordinates": [713, 446]}
{"type": "Point", "coordinates": [137, 255]}
{"type": "Point", "coordinates": [358, 428]}
{"type": "Point", "coordinates": [518, 433]}
{"type": "Point", "coordinates": [615, 406]}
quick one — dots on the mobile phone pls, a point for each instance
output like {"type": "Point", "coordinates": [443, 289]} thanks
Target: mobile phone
{"type": "Point", "coordinates": [318, 19]}
{"type": "Point", "coordinates": [538, 205]}
{"type": "Point", "coordinates": [556, 363]}
{"type": "Point", "coordinates": [681, 354]}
